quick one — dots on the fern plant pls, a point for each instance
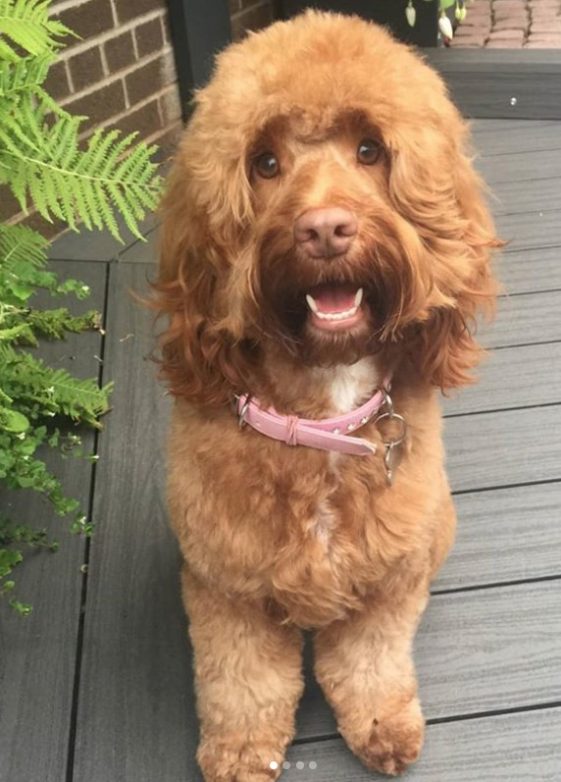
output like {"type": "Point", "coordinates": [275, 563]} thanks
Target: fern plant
{"type": "Point", "coordinates": [48, 168]}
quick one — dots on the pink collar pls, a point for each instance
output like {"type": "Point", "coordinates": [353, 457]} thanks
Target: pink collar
{"type": "Point", "coordinates": [328, 434]}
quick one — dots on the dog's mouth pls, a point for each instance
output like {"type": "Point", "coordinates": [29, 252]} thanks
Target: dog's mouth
{"type": "Point", "coordinates": [336, 307]}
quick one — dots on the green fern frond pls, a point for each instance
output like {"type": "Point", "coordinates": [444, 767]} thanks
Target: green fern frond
{"type": "Point", "coordinates": [22, 268]}
{"type": "Point", "coordinates": [42, 390]}
{"type": "Point", "coordinates": [25, 75]}
{"type": "Point", "coordinates": [26, 24]}
{"type": "Point", "coordinates": [73, 184]}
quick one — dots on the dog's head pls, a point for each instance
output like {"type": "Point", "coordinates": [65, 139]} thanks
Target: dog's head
{"type": "Point", "coordinates": [321, 203]}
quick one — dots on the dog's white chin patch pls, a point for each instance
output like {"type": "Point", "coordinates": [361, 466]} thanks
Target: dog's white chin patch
{"type": "Point", "coordinates": [335, 307]}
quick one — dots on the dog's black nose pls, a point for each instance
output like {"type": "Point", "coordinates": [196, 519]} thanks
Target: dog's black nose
{"type": "Point", "coordinates": [325, 233]}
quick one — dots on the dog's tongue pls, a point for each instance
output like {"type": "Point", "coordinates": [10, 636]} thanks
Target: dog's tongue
{"type": "Point", "coordinates": [334, 298]}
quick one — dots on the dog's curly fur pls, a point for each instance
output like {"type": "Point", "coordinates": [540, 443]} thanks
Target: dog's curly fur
{"type": "Point", "coordinates": [276, 538]}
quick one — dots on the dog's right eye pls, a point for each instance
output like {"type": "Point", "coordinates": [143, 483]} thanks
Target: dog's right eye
{"type": "Point", "coordinates": [266, 165]}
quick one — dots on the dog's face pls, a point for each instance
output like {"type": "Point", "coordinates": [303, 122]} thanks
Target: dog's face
{"type": "Point", "coordinates": [333, 275]}
{"type": "Point", "coordinates": [321, 203]}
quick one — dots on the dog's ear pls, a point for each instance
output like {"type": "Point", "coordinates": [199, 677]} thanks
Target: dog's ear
{"type": "Point", "coordinates": [437, 190]}
{"type": "Point", "coordinates": [204, 209]}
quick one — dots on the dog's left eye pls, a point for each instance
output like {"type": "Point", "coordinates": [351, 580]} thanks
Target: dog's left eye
{"type": "Point", "coordinates": [368, 151]}
{"type": "Point", "coordinates": [266, 165]}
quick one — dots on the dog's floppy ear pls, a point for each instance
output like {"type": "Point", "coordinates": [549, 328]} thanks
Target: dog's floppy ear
{"type": "Point", "coordinates": [203, 210]}
{"type": "Point", "coordinates": [438, 191]}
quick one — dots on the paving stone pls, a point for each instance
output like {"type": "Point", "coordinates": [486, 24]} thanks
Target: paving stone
{"type": "Point", "coordinates": [511, 15]}
{"type": "Point", "coordinates": [466, 44]}
{"type": "Point", "coordinates": [500, 44]}
{"type": "Point", "coordinates": [508, 24]}
{"type": "Point", "coordinates": [543, 27]}
{"type": "Point", "coordinates": [478, 40]}
{"type": "Point", "coordinates": [543, 45]}
{"type": "Point", "coordinates": [543, 38]}
{"type": "Point", "coordinates": [468, 32]}
{"type": "Point", "coordinates": [507, 35]}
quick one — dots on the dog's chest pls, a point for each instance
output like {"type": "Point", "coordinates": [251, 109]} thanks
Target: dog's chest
{"type": "Point", "coordinates": [347, 388]}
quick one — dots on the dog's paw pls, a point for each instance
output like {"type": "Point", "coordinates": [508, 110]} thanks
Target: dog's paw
{"type": "Point", "coordinates": [394, 740]}
{"type": "Point", "coordinates": [229, 760]}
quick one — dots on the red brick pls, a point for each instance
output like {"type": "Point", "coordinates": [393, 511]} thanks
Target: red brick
{"type": "Point", "coordinates": [88, 19]}
{"type": "Point", "coordinates": [57, 84]}
{"type": "Point", "coordinates": [119, 52]}
{"type": "Point", "coordinates": [146, 120]}
{"type": "Point", "coordinates": [99, 105]}
{"type": "Point", "coordinates": [129, 9]}
{"type": "Point", "coordinates": [86, 68]}
{"type": "Point", "coordinates": [145, 80]}
{"type": "Point", "coordinates": [148, 37]}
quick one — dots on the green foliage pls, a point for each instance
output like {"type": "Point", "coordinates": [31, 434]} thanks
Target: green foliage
{"type": "Point", "coordinates": [48, 167]}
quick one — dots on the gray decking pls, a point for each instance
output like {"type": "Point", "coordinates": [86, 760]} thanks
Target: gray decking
{"type": "Point", "coordinates": [96, 685]}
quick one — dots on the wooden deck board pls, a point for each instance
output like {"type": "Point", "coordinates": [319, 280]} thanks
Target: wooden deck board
{"type": "Point", "coordinates": [97, 245]}
{"type": "Point", "coordinates": [515, 369]}
{"type": "Point", "coordinates": [520, 166]}
{"type": "Point", "coordinates": [503, 137]}
{"type": "Point", "coordinates": [37, 653]}
{"type": "Point", "coordinates": [477, 651]}
{"type": "Point", "coordinates": [136, 710]}
{"type": "Point", "coordinates": [520, 747]}
{"type": "Point", "coordinates": [506, 448]}
{"type": "Point", "coordinates": [504, 535]}
{"type": "Point", "coordinates": [525, 319]}
{"type": "Point", "coordinates": [534, 196]}
{"type": "Point", "coordinates": [528, 230]}
{"type": "Point", "coordinates": [530, 271]}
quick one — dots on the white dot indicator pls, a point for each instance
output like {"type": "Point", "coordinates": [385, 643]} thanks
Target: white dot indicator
{"type": "Point", "coordinates": [273, 765]}
{"type": "Point", "coordinates": [513, 101]}
{"type": "Point", "coordinates": [313, 765]}
{"type": "Point", "coordinates": [286, 765]}
{"type": "Point", "coordinates": [300, 765]}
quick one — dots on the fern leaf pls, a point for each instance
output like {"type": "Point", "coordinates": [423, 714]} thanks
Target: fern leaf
{"type": "Point", "coordinates": [25, 75]}
{"type": "Point", "coordinates": [26, 24]}
{"type": "Point", "coordinates": [64, 182]}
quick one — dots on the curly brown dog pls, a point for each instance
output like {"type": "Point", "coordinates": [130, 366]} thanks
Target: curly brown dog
{"type": "Point", "coordinates": [324, 238]}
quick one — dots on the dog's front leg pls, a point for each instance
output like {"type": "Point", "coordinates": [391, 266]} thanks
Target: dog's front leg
{"type": "Point", "coordinates": [248, 680]}
{"type": "Point", "coordinates": [366, 671]}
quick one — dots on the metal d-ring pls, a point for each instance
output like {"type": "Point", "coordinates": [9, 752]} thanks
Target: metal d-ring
{"type": "Point", "coordinates": [389, 445]}
{"type": "Point", "coordinates": [243, 412]}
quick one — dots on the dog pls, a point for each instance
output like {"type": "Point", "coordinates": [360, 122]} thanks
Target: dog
{"type": "Point", "coordinates": [326, 248]}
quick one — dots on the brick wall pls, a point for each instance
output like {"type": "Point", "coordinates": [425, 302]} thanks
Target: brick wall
{"type": "Point", "coordinates": [121, 73]}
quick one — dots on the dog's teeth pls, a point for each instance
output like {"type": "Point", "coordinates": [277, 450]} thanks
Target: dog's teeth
{"type": "Point", "coordinates": [336, 315]}
{"type": "Point", "coordinates": [312, 304]}
{"type": "Point", "coordinates": [358, 297]}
